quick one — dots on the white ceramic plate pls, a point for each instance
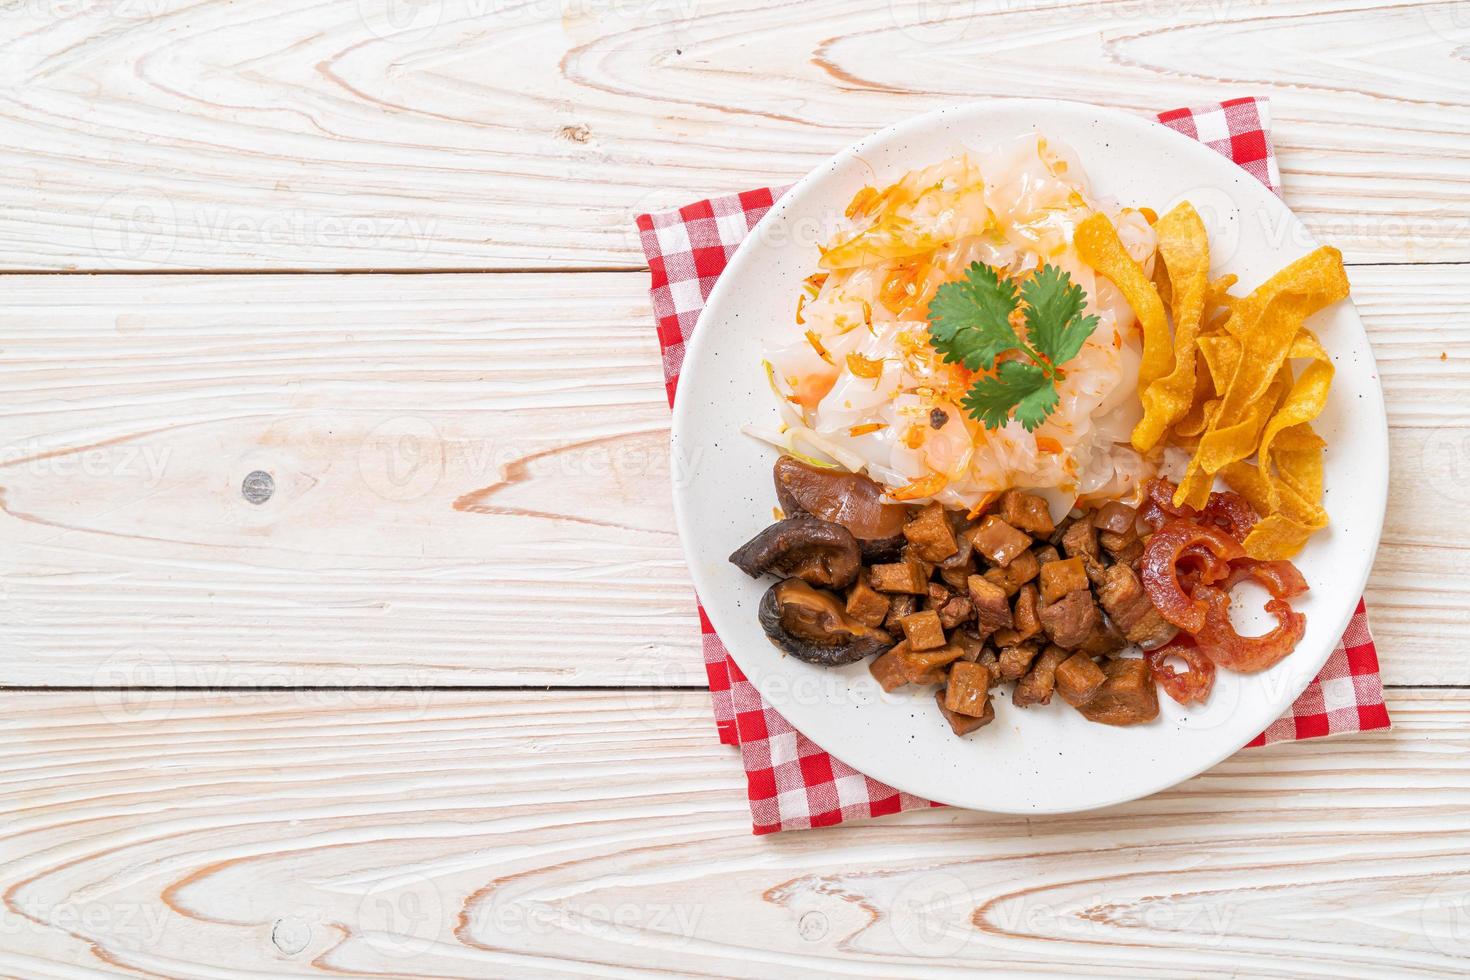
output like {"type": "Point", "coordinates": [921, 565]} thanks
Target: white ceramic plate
{"type": "Point", "coordinates": [1040, 760]}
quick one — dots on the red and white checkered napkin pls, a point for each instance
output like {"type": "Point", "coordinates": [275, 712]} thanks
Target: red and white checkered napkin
{"type": "Point", "coordinates": [793, 783]}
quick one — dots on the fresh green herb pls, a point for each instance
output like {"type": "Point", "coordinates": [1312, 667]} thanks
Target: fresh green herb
{"type": "Point", "coordinates": [970, 324]}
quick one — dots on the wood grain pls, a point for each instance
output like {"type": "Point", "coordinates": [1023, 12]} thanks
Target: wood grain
{"type": "Point", "coordinates": [472, 481]}
{"type": "Point", "coordinates": [520, 134]}
{"type": "Point", "coordinates": [166, 834]}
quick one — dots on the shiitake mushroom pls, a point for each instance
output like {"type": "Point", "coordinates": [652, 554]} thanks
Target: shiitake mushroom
{"type": "Point", "coordinates": [817, 552]}
{"type": "Point", "coordinates": [849, 499]}
{"type": "Point", "coordinates": [811, 625]}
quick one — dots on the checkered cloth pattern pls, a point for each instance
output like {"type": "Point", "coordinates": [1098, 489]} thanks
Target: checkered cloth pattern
{"type": "Point", "coordinates": [792, 782]}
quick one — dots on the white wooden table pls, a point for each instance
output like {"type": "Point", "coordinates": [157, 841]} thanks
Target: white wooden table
{"type": "Point", "coordinates": [433, 707]}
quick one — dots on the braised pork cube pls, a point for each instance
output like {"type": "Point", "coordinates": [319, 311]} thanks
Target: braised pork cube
{"type": "Point", "coordinates": [1079, 679]}
{"type": "Point", "coordinates": [889, 669]}
{"type": "Point", "coordinates": [1020, 571]}
{"type": "Point", "coordinates": [1115, 517]}
{"type": "Point", "coordinates": [866, 605]}
{"type": "Point", "coordinates": [988, 658]}
{"type": "Point", "coordinates": [1105, 641]}
{"type": "Point", "coordinates": [970, 643]}
{"type": "Point", "coordinates": [968, 690]}
{"type": "Point", "coordinates": [1071, 619]}
{"type": "Point", "coordinates": [1080, 541]}
{"type": "Point", "coordinates": [956, 576]}
{"type": "Point", "coordinates": [1024, 613]}
{"type": "Point", "coordinates": [1126, 548]}
{"type": "Point", "coordinates": [930, 534]}
{"type": "Point", "coordinates": [1060, 577]}
{"type": "Point", "coordinates": [992, 611]}
{"type": "Point", "coordinates": [927, 666]}
{"type": "Point", "coordinates": [1128, 697]}
{"type": "Point", "coordinates": [900, 606]}
{"type": "Point", "coordinates": [1128, 606]}
{"type": "Point", "coordinates": [900, 576]}
{"type": "Point", "coordinates": [1040, 680]}
{"type": "Point", "coordinates": [1045, 553]}
{"type": "Point", "coordinates": [901, 665]}
{"type": "Point", "coordinates": [1006, 637]}
{"type": "Point", "coordinates": [1027, 512]}
{"type": "Point", "coordinates": [959, 609]}
{"type": "Point", "coordinates": [998, 541]}
{"type": "Point", "coordinates": [911, 555]}
{"type": "Point", "coordinates": [1016, 660]}
{"type": "Point", "coordinates": [964, 724]}
{"type": "Point", "coordinates": [923, 630]}
{"type": "Point", "coordinates": [964, 552]}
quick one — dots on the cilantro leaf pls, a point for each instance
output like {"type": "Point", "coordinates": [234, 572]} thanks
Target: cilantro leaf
{"type": "Point", "coordinates": [970, 324]}
{"type": "Point", "coordinates": [969, 319]}
{"type": "Point", "coordinates": [1018, 384]}
{"type": "Point", "coordinates": [1055, 325]}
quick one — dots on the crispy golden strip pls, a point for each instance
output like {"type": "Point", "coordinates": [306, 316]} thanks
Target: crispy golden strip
{"type": "Point", "coordinates": [1184, 248]}
{"type": "Point", "coordinates": [1266, 324]}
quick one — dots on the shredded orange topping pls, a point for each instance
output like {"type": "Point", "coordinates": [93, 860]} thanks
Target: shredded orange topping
{"type": "Point", "coordinates": [816, 342]}
{"type": "Point", "coordinates": [1047, 444]}
{"type": "Point", "coordinates": [865, 367]}
{"type": "Point", "coordinates": [865, 428]}
{"type": "Point", "coordinates": [926, 486]}
{"type": "Point", "coordinates": [862, 201]}
{"type": "Point", "coordinates": [902, 287]}
{"type": "Point", "coordinates": [983, 505]}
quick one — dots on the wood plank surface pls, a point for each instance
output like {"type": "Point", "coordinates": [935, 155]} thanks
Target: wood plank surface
{"type": "Point", "coordinates": [471, 481]}
{"type": "Point", "coordinates": [167, 834]}
{"type": "Point", "coordinates": [475, 134]}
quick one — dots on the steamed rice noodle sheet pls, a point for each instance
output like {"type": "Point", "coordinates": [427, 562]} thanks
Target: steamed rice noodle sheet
{"type": "Point", "coordinates": [860, 385]}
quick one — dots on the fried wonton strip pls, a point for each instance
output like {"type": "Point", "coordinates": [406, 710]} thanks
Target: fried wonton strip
{"type": "Point", "coordinates": [1196, 419]}
{"type": "Point", "coordinates": [1286, 483]}
{"type": "Point", "coordinates": [1218, 293]}
{"type": "Point", "coordinates": [1185, 250]}
{"type": "Point", "coordinates": [1266, 323]}
{"type": "Point", "coordinates": [1221, 354]}
{"type": "Point", "coordinates": [1306, 399]}
{"type": "Point", "coordinates": [1097, 243]}
{"type": "Point", "coordinates": [1246, 480]}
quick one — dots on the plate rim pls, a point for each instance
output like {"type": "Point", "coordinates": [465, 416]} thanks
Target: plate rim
{"type": "Point", "coordinates": [750, 245]}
